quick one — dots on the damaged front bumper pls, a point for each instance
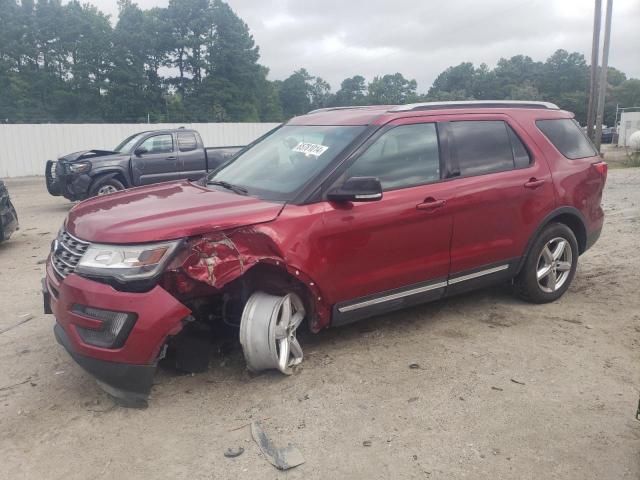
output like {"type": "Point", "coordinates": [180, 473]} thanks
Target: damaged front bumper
{"type": "Point", "coordinates": [60, 182]}
{"type": "Point", "coordinates": [130, 384]}
{"type": "Point", "coordinates": [125, 372]}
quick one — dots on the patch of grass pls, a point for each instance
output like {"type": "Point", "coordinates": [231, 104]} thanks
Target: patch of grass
{"type": "Point", "coordinates": [632, 160]}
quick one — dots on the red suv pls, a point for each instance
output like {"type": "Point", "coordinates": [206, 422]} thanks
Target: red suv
{"type": "Point", "coordinates": [335, 216]}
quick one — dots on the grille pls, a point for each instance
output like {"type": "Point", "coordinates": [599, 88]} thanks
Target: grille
{"type": "Point", "coordinates": [67, 252]}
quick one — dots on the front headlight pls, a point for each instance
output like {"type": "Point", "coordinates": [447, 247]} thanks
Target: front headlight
{"type": "Point", "coordinates": [80, 167]}
{"type": "Point", "coordinates": [126, 262]}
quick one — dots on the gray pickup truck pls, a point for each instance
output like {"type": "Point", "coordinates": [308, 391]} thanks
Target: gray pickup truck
{"type": "Point", "coordinates": [141, 159]}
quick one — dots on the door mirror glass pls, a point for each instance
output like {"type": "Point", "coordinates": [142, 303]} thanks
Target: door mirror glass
{"type": "Point", "coordinates": [140, 151]}
{"type": "Point", "coordinates": [357, 189]}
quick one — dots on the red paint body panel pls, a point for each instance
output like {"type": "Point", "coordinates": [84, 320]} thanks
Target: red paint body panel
{"type": "Point", "coordinates": [372, 247]}
{"type": "Point", "coordinates": [159, 315]}
{"type": "Point", "coordinates": [165, 211]}
{"type": "Point", "coordinates": [494, 215]}
{"type": "Point", "coordinates": [339, 251]}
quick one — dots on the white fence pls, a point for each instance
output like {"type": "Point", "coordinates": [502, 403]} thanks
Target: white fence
{"type": "Point", "coordinates": [25, 148]}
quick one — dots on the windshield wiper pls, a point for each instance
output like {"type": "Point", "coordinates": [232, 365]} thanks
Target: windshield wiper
{"type": "Point", "coordinates": [229, 186]}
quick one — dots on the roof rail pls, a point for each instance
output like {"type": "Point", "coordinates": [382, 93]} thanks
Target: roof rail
{"type": "Point", "coordinates": [348, 107]}
{"type": "Point", "coordinates": [475, 104]}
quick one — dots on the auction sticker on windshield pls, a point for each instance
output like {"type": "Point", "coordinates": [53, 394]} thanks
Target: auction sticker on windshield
{"type": "Point", "coordinates": [310, 148]}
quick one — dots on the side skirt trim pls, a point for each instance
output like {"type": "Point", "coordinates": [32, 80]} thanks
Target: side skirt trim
{"type": "Point", "coordinates": [394, 296]}
{"type": "Point", "coordinates": [481, 273]}
{"type": "Point", "coordinates": [384, 302]}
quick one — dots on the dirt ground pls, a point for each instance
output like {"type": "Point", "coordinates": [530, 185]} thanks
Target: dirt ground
{"type": "Point", "coordinates": [504, 389]}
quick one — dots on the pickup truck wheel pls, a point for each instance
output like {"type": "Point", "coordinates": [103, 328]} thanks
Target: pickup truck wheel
{"type": "Point", "coordinates": [550, 265]}
{"type": "Point", "coordinates": [268, 332]}
{"type": "Point", "coordinates": [105, 186]}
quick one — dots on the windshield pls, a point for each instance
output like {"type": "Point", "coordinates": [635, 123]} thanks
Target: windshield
{"type": "Point", "coordinates": [282, 163]}
{"type": "Point", "coordinates": [127, 144]}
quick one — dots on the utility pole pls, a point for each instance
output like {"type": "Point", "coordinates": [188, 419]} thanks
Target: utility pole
{"type": "Point", "coordinates": [603, 74]}
{"type": "Point", "coordinates": [595, 47]}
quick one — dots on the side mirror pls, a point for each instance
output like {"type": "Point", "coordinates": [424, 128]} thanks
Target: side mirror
{"type": "Point", "coordinates": [357, 189]}
{"type": "Point", "coordinates": [140, 151]}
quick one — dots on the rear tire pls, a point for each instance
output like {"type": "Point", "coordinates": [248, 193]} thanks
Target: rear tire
{"type": "Point", "coordinates": [105, 186]}
{"type": "Point", "coordinates": [550, 265]}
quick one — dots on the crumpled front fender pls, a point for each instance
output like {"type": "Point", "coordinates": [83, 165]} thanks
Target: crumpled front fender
{"type": "Point", "coordinates": [219, 258]}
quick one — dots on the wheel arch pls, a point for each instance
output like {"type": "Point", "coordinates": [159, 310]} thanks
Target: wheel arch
{"type": "Point", "coordinates": [108, 174]}
{"type": "Point", "coordinates": [250, 260]}
{"type": "Point", "coordinates": [569, 216]}
{"type": "Point", "coordinates": [278, 280]}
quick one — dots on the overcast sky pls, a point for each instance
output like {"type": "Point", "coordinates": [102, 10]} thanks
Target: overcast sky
{"type": "Point", "coordinates": [336, 39]}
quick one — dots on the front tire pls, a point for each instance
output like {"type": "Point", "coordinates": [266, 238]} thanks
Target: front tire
{"type": "Point", "coordinates": [550, 265]}
{"type": "Point", "coordinates": [105, 186]}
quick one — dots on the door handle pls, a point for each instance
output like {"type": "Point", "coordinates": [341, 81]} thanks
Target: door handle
{"type": "Point", "coordinates": [534, 183]}
{"type": "Point", "coordinates": [430, 204]}
{"type": "Point", "coordinates": [171, 158]}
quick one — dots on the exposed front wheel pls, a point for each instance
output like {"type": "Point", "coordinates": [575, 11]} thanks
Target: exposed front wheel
{"type": "Point", "coordinates": [105, 186]}
{"type": "Point", "coordinates": [550, 265]}
{"type": "Point", "coordinates": [268, 331]}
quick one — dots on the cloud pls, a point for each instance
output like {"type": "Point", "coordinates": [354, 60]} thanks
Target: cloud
{"type": "Point", "coordinates": [336, 39]}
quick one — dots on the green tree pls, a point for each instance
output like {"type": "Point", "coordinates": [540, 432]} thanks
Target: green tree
{"type": "Point", "coordinates": [235, 79]}
{"type": "Point", "coordinates": [320, 94]}
{"type": "Point", "coordinates": [353, 91]}
{"type": "Point", "coordinates": [130, 95]}
{"type": "Point", "coordinates": [516, 76]}
{"type": "Point", "coordinates": [455, 79]}
{"type": "Point", "coordinates": [294, 93]}
{"type": "Point", "coordinates": [391, 90]}
{"type": "Point", "coordinates": [564, 72]}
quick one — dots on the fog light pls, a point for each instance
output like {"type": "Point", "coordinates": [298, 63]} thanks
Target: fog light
{"type": "Point", "coordinates": [114, 330]}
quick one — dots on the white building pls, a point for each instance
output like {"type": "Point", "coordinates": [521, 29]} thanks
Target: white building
{"type": "Point", "coordinates": [629, 123]}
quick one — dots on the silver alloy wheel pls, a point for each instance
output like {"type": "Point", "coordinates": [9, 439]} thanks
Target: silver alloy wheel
{"type": "Point", "coordinates": [268, 332]}
{"type": "Point", "coordinates": [554, 265]}
{"type": "Point", "coordinates": [107, 189]}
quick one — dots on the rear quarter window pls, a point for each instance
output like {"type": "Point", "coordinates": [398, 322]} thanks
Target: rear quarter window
{"type": "Point", "coordinates": [567, 137]}
{"type": "Point", "coordinates": [486, 146]}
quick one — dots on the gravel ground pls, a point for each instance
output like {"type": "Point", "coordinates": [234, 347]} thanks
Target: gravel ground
{"type": "Point", "coordinates": [503, 390]}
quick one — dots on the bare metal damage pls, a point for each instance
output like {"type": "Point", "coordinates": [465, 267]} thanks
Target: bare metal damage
{"type": "Point", "coordinates": [218, 258]}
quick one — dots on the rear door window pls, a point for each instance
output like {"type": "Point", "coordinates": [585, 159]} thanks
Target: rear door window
{"type": "Point", "coordinates": [402, 157]}
{"type": "Point", "coordinates": [187, 141]}
{"type": "Point", "coordinates": [486, 146]}
{"type": "Point", "coordinates": [567, 137]}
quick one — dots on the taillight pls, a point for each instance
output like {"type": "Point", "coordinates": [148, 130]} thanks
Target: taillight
{"type": "Point", "coordinates": [601, 168]}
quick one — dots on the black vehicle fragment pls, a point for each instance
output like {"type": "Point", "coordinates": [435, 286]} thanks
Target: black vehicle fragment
{"type": "Point", "coordinates": [8, 215]}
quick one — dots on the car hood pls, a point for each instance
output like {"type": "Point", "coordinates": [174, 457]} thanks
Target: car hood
{"type": "Point", "coordinates": [165, 211]}
{"type": "Point", "coordinates": [89, 155]}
